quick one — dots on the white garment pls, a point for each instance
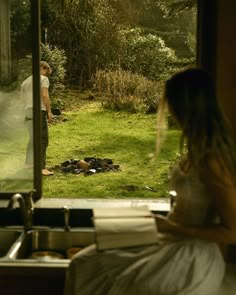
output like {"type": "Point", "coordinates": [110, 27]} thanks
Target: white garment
{"type": "Point", "coordinates": [228, 286]}
{"type": "Point", "coordinates": [27, 91]}
{"type": "Point", "coordinates": [176, 266]}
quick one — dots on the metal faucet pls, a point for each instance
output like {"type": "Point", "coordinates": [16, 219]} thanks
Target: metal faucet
{"type": "Point", "coordinates": [66, 212]}
{"type": "Point", "coordinates": [172, 195]}
{"type": "Point", "coordinates": [26, 207]}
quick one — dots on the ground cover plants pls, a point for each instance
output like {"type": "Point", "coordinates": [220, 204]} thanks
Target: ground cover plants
{"type": "Point", "coordinates": [86, 129]}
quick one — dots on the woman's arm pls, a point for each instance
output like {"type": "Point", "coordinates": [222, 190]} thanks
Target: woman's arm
{"type": "Point", "coordinates": [215, 233]}
{"type": "Point", "coordinates": [222, 192]}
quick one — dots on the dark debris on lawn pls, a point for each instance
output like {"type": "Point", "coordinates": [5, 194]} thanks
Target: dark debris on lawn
{"type": "Point", "coordinates": [87, 166]}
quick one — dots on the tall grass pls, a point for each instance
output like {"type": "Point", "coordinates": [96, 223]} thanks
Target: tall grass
{"type": "Point", "coordinates": [127, 91]}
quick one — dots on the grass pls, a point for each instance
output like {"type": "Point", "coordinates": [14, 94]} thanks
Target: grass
{"type": "Point", "coordinates": [128, 139]}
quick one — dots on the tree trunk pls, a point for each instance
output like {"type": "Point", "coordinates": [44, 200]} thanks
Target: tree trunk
{"type": "Point", "coordinates": [5, 41]}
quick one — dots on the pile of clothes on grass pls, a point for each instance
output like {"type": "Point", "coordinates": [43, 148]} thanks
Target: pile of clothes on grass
{"type": "Point", "coordinates": [88, 166]}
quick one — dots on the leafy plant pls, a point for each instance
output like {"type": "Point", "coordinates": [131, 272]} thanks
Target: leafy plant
{"type": "Point", "coordinates": [56, 59]}
{"type": "Point", "coordinates": [145, 54]}
{"type": "Point", "coordinates": [176, 6]}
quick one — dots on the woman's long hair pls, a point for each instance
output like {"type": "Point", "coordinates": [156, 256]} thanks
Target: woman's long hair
{"type": "Point", "coordinates": [190, 97]}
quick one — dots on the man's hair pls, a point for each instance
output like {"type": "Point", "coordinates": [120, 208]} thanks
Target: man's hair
{"type": "Point", "coordinates": [45, 66]}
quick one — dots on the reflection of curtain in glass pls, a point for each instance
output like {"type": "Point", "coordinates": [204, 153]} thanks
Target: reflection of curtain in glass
{"type": "Point", "coordinates": [13, 137]}
{"type": "Point", "coordinates": [11, 110]}
{"type": "Point", "coordinates": [15, 176]}
{"type": "Point", "coordinates": [29, 125]}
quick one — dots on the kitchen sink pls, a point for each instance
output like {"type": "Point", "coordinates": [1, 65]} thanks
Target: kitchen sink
{"type": "Point", "coordinates": [8, 237]}
{"type": "Point", "coordinates": [54, 245]}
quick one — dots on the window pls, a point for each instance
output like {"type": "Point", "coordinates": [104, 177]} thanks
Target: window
{"type": "Point", "coordinates": [19, 38]}
{"type": "Point", "coordinates": [19, 59]}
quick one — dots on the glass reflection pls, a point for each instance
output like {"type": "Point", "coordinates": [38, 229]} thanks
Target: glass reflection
{"type": "Point", "coordinates": [15, 67]}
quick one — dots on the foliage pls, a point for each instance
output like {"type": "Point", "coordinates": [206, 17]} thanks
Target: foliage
{"type": "Point", "coordinates": [20, 34]}
{"type": "Point", "coordinates": [56, 59]}
{"type": "Point", "coordinates": [20, 27]}
{"type": "Point", "coordinates": [152, 16]}
{"type": "Point", "coordinates": [129, 12]}
{"type": "Point", "coordinates": [95, 35]}
{"type": "Point", "coordinates": [145, 54]}
{"type": "Point", "coordinates": [175, 27]}
{"type": "Point", "coordinates": [192, 43]}
{"type": "Point", "coordinates": [124, 90]}
{"type": "Point", "coordinates": [87, 30]}
{"type": "Point", "coordinates": [171, 7]}
{"type": "Point", "coordinates": [132, 37]}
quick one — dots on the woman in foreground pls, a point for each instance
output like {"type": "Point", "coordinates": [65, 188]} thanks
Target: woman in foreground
{"type": "Point", "coordinates": [188, 258]}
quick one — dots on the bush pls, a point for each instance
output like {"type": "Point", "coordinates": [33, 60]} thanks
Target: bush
{"type": "Point", "coordinates": [87, 30]}
{"type": "Point", "coordinates": [124, 90]}
{"type": "Point", "coordinates": [145, 54]}
{"type": "Point", "coordinates": [56, 59]}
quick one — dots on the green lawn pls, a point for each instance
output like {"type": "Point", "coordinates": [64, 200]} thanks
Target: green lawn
{"type": "Point", "coordinates": [128, 139]}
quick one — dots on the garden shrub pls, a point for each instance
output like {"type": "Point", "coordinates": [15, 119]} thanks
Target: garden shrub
{"type": "Point", "coordinates": [145, 54]}
{"type": "Point", "coordinates": [56, 59]}
{"type": "Point", "coordinates": [123, 90]}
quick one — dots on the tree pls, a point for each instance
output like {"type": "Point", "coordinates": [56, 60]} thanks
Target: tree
{"type": "Point", "coordinates": [20, 28]}
{"type": "Point", "coordinates": [87, 31]}
{"type": "Point", "coordinates": [175, 6]}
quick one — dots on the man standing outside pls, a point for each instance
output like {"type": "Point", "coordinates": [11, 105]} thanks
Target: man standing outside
{"type": "Point", "coordinates": [47, 117]}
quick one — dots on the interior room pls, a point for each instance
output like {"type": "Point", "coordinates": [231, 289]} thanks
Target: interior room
{"type": "Point", "coordinates": [29, 222]}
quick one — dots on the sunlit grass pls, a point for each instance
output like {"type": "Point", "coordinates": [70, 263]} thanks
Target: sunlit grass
{"type": "Point", "coordinates": [128, 139]}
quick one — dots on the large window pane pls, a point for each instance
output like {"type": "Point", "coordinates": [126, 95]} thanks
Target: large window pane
{"type": "Point", "coordinates": [15, 123]}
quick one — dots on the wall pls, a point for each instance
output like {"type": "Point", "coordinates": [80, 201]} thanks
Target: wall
{"type": "Point", "coordinates": [217, 49]}
{"type": "Point", "coordinates": [226, 58]}
{"type": "Point", "coordinates": [217, 54]}
{"type": "Point", "coordinates": [226, 68]}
